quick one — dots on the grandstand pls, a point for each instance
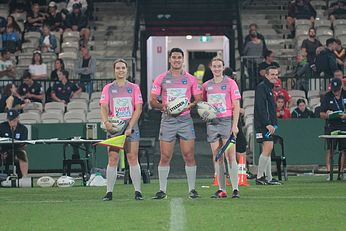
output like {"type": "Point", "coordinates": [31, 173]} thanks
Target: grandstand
{"type": "Point", "coordinates": [142, 32]}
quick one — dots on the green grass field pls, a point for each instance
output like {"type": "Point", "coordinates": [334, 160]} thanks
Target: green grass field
{"type": "Point", "coordinates": [302, 203]}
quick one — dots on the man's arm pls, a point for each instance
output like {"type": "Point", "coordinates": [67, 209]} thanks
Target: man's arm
{"type": "Point", "coordinates": [261, 106]}
{"type": "Point", "coordinates": [235, 120]}
{"type": "Point", "coordinates": [156, 104]}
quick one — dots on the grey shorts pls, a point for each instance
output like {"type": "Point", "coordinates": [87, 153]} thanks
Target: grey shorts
{"type": "Point", "coordinates": [176, 127]}
{"type": "Point", "coordinates": [132, 138]}
{"type": "Point", "coordinates": [219, 128]}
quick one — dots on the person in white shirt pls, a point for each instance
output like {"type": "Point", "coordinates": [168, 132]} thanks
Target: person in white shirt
{"type": "Point", "coordinates": [38, 69]}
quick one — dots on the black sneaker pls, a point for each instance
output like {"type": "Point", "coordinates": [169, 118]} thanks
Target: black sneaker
{"type": "Point", "coordinates": [250, 176]}
{"type": "Point", "coordinates": [274, 182]}
{"type": "Point", "coordinates": [235, 194]}
{"type": "Point", "coordinates": [138, 196]}
{"type": "Point", "coordinates": [193, 194]}
{"type": "Point", "coordinates": [261, 181]}
{"type": "Point", "coordinates": [108, 197]}
{"type": "Point", "coordinates": [160, 195]}
{"type": "Point", "coordinates": [219, 194]}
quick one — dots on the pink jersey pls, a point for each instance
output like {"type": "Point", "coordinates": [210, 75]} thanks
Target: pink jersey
{"type": "Point", "coordinates": [221, 95]}
{"type": "Point", "coordinates": [170, 87]}
{"type": "Point", "coordinates": [121, 100]}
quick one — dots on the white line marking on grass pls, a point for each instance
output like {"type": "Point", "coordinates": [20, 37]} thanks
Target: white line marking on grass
{"type": "Point", "coordinates": [177, 219]}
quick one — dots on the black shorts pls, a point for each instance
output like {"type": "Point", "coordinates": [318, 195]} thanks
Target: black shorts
{"type": "Point", "coordinates": [241, 142]}
{"type": "Point", "coordinates": [261, 135]}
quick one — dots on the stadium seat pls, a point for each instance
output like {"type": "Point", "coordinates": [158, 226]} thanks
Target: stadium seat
{"type": "Point", "coordinates": [95, 96]}
{"type": "Point", "coordinates": [52, 117]}
{"type": "Point", "coordinates": [83, 96]}
{"type": "Point", "coordinates": [29, 118]}
{"type": "Point", "coordinates": [33, 107]}
{"type": "Point", "coordinates": [297, 93]}
{"type": "Point", "coordinates": [74, 117]}
{"type": "Point", "coordinates": [70, 47]}
{"type": "Point", "coordinates": [94, 106]}
{"type": "Point", "coordinates": [313, 94]}
{"type": "Point", "coordinates": [55, 107]}
{"type": "Point", "coordinates": [3, 117]}
{"type": "Point", "coordinates": [248, 94]}
{"type": "Point", "coordinates": [248, 102]}
{"type": "Point", "coordinates": [77, 106]}
{"type": "Point", "coordinates": [94, 116]}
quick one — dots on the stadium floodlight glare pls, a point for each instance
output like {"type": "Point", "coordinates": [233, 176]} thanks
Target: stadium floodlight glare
{"type": "Point", "coordinates": [188, 36]}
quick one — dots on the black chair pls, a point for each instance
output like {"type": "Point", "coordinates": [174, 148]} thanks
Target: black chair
{"type": "Point", "coordinates": [279, 159]}
{"type": "Point", "coordinates": [6, 164]}
{"type": "Point", "coordinates": [146, 147]}
{"type": "Point", "coordinates": [77, 160]}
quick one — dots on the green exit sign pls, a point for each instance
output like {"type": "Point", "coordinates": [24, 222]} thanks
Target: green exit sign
{"type": "Point", "coordinates": [204, 39]}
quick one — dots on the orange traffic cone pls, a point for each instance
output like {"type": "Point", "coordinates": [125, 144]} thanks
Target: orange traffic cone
{"type": "Point", "coordinates": [216, 183]}
{"type": "Point", "coordinates": [242, 180]}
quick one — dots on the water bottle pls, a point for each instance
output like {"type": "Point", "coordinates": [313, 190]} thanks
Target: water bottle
{"type": "Point", "coordinates": [267, 135]}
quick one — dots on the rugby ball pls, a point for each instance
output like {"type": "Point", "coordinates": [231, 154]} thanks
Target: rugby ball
{"type": "Point", "coordinates": [65, 182]}
{"type": "Point", "coordinates": [177, 105]}
{"type": "Point", "coordinates": [206, 111]}
{"type": "Point", "coordinates": [117, 124]}
{"type": "Point", "coordinates": [45, 182]}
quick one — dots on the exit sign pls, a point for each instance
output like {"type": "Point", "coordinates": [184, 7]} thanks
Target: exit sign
{"type": "Point", "coordinates": [204, 39]}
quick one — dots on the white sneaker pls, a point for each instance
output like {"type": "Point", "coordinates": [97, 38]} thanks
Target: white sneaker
{"type": "Point", "coordinates": [328, 177]}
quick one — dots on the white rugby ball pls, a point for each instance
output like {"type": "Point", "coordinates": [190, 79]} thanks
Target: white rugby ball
{"type": "Point", "coordinates": [206, 110]}
{"type": "Point", "coordinates": [117, 124]}
{"type": "Point", "coordinates": [177, 105]}
{"type": "Point", "coordinates": [45, 181]}
{"type": "Point", "coordinates": [65, 182]}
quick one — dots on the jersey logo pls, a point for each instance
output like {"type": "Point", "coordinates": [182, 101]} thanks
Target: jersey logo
{"type": "Point", "coordinates": [259, 136]}
{"type": "Point", "coordinates": [17, 136]}
{"type": "Point", "coordinates": [129, 90]}
{"type": "Point", "coordinates": [184, 81]}
{"type": "Point", "coordinates": [223, 87]}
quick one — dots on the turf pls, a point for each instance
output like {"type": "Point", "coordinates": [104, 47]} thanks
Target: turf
{"type": "Point", "coordinates": [302, 203]}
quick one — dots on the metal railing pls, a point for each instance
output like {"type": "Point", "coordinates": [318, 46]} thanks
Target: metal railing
{"type": "Point", "coordinates": [293, 76]}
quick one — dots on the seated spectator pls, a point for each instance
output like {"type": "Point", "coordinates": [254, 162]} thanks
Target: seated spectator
{"type": "Point", "coordinates": [64, 90]}
{"type": "Point", "coordinates": [253, 49]}
{"type": "Point", "coordinates": [30, 89]}
{"type": "Point", "coordinates": [86, 69]}
{"type": "Point", "coordinates": [3, 24]}
{"type": "Point", "coordinates": [34, 19]}
{"type": "Point", "coordinates": [54, 19]}
{"type": "Point", "coordinates": [83, 3]}
{"type": "Point", "coordinates": [326, 60]}
{"type": "Point", "coordinates": [38, 69]}
{"type": "Point", "coordinates": [336, 10]}
{"type": "Point", "coordinates": [11, 40]}
{"type": "Point", "coordinates": [278, 90]}
{"type": "Point", "coordinates": [281, 111]}
{"type": "Point", "coordinates": [254, 27]}
{"type": "Point", "coordinates": [16, 28]}
{"type": "Point", "coordinates": [7, 68]}
{"type": "Point", "coordinates": [47, 41]}
{"type": "Point", "coordinates": [7, 129]}
{"type": "Point", "coordinates": [301, 112]}
{"type": "Point", "coordinates": [340, 54]}
{"type": "Point", "coordinates": [11, 99]}
{"type": "Point", "coordinates": [19, 6]}
{"type": "Point", "coordinates": [58, 66]}
{"type": "Point", "coordinates": [302, 72]}
{"type": "Point", "coordinates": [77, 21]}
{"type": "Point", "coordinates": [268, 61]}
{"type": "Point", "coordinates": [310, 45]}
{"type": "Point", "coordinates": [299, 9]}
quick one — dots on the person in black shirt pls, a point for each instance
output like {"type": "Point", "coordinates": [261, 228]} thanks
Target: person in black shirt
{"type": "Point", "coordinates": [12, 128]}
{"type": "Point", "coordinates": [326, 63]}
{"type": "Point", "coordinates": [86, 69]}
{"type": "Point", "coordinates": [265, 123]}
{"type": "Point", "coordinates": [335, 100]}
{"type": "Point", "coordinates": [301, 111]}
{"type": "Point", "coordinates": [54, 18]}
{"type": "Point", "coordinates": [254, 27]}
{"type": "Point", "coordinates": [310, 45]}
{"type": "Point", "coordinates": [64, 90]}
{"type": "Point", "coordinates": [31, 89]}
{"type": "Point", "coordinates": [268, 61]}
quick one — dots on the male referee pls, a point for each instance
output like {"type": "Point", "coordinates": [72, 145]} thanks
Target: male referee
{"type": "Point", "coordinates": [12, 128]}
{"type": "Point", "coordinates": [265, 122]}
